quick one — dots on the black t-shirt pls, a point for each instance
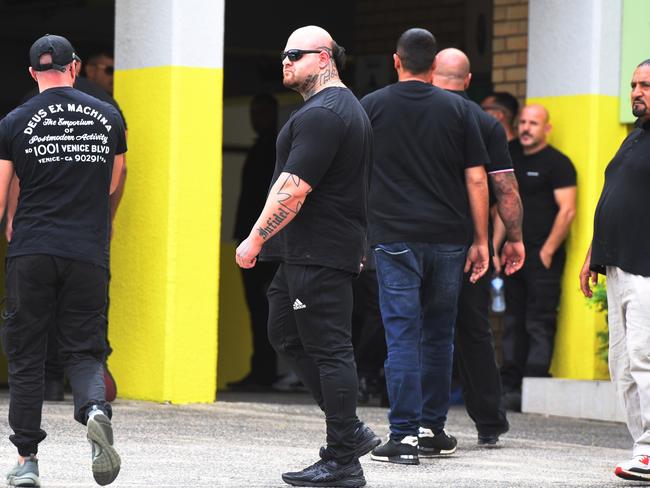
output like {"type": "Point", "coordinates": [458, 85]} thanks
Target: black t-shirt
{"type": "Point", "coordinates": [622, 219]}
{"type": "Point", "coordinates": [62, 144]}
{"type": "Point", "coordinates": [92, 89]}
{"type": "Point", "coordinates": [327, 142]}
{"type": "Point", "coordinates": [539, 175]}
{"type": "Point", "coordinates": [256, 176]}
{"type": "Point", "coordinates": [424, 139]}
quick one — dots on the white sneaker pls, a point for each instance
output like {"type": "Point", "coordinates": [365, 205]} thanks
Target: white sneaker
{"type": "Point", "coordinates": [637, 468]}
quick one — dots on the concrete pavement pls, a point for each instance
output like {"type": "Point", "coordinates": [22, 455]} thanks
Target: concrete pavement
{"type": "Point", "coordinates": [248, 440]}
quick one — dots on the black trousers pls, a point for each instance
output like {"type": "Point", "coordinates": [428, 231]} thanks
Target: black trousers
{"type": "Point", "coordinates": [475, 358]}
{"type": "Point", "coordinates": [256, 283]}
{"type": "Point", "coordinates": [45, 291]}
{"type": "Point", "coordinates": [368, 334]}
{"type": "Point", "coordinates": [310, 309]}
{"type": "Point", "coordinates": [532, 299]}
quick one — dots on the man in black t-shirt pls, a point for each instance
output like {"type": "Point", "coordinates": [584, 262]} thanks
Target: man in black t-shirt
{"type": "Point", "coordinates": [619, 249]}
{"type": "Point", "coordinates": [547, 185]}
{"type": "Point", "coordinates": [428, 201]}
{"type": "Point", "coordinates": [314, 224]}
{"type": "Point", "coordinates": [54, 381]}
{"type": "Point", "coordinates": [67, 150]}
{"type": "Point", "coordinates": [474, 352]}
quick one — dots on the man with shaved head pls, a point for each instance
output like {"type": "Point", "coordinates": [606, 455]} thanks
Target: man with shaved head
{"type": "Point", "coordinates": [428, 220]}
{"type": "Point", "coordinates": [314, 224]}
{"type": "Point", "coordinates": [474, 350]}
{"type": "Point", "coordinates": [547, 185]}
{"type": "Point", "coordinates": [619, 250]}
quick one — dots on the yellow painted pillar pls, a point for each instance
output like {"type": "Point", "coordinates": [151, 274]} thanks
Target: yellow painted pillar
{"type": "Point", "coordinates": [165, 249]}
{"type": "Point", "coordinates": [573, 70]}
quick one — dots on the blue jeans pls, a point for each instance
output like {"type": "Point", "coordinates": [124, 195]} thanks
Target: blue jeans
{"type": "Point", "coordinates": [419, 284]}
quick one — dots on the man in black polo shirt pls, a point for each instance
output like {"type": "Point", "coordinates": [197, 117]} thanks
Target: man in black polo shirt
{"type": "Point", "coordinates": [619, 249]}
{"type": "Point", "coordinates": [474, 351]}
{"type": "Point", "coordinates": [547, 185]}
{"type": "Point", "coordinates": [67, 150]}
{"type": "Point", "coordinates": [429, 188]}
{"type": "Point", "coordinates": [314, 223]}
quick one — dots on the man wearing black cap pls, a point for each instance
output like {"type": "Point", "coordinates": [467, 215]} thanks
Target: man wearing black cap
{"type": "Point", "coordinates": [67, 149]}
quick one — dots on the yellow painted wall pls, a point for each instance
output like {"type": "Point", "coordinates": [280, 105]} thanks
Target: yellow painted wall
{"type": "Point", "coordinates": [165, 250]}
{"type": "Point", "coordinates": [235, 338]}
{"type": "Point", "coordinates": [587, 130]}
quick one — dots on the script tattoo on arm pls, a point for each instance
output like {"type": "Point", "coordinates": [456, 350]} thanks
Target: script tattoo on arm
{"type": "Point", "coordinates": [509, 204]}
{"type": "Point", "coordinates": [289, 198]}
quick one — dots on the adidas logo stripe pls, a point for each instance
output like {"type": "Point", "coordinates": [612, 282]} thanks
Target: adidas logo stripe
{"type": "Point", "coordinates": [297, 305]}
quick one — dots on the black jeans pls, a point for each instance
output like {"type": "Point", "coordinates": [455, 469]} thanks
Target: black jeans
{"type": "Point", "coordinates": [532, 299]}
{"type": "Point", "coordinates": [476, 360]}
{"type": "Point", "coordinates": [45, 291]}
{"type": "Point", "coordinates": [367, 328]}
{"type": "Point", "coordinates": [256, 283]}
{"type": "Point", "coordinates": [310, 309]}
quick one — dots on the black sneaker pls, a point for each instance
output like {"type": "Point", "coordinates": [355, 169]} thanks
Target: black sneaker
{"type": "Point", "coordinates": [492, 439]}
{"type": "Point", "coordinates": [365, 440]}
{"type": "Point", "coordinates": [434, 445]}
{"type": "Point", "coordinates": [403, 451]}
{"type": "Point", "coordinates": [328, 473]}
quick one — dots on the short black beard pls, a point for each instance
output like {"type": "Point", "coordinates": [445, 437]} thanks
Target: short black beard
{"type": "Point", "coordinates": [639, 112]}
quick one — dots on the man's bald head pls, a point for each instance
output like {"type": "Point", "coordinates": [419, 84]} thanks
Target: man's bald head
{"type": "Point", "coordinates": [310, 37]}
{"type": "Point", "coordinates": [452, 70]}
{"type": "Point", "coordinates": [537, 111]}
{"type": "Point", "coordinates": [311, 61]}
{"type": "Point", "coordinates": [534, 128]}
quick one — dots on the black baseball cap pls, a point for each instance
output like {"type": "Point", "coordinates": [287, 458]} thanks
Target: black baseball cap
{"type": "Point", "coordinates": [58, 47]}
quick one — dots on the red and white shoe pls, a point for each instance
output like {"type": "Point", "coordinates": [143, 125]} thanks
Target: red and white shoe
{"type": "Point", "coordinates": [637, 468]}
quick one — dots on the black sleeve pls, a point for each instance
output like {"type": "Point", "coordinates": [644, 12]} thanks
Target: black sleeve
{"type": "Point", "coordinates": [119, 131]}
{"type": "Point", "coordinates": [5, 150]}
{"type": "Point", "coordinates": [563, 174]}
{"type": "Point", "coordinates": [475, 152]}
{"type": "Point", "coordinates": [497, 148]}
{"type": "Point", "coordinates": [316, 138]}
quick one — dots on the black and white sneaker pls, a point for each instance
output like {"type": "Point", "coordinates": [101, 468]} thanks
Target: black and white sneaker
{"type": "Point", "coordinates": [328, 473]}
{"type": "Point", "coordinates": [432, 444]}
{"type": "Point", "coordinates": [403, 451]}
{"type": "Point", "coordinates": [365, 441]}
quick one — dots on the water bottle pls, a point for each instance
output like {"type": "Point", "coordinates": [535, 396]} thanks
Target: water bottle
{"type": "Point", "coordinates": [498, 295]}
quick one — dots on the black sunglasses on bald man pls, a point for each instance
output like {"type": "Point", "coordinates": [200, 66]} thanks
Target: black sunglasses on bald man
{"type": "Point", "coordinates": [296, 54]}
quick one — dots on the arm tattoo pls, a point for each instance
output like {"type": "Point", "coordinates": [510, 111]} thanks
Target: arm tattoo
{"type": "Point", "coordinates": [272, 223]}
{"type": "Point", "coordinates": [509, 204]}
{"type": "Point", "coordinates": [285, 200]}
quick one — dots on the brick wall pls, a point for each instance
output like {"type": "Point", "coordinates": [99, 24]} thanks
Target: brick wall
{"type": "Point", "coordinates": [510, 47]}
{"type": "Point", "coordinates": [380, 22]}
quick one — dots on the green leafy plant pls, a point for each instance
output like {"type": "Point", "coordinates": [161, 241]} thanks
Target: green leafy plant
{"type": "Point", "coordinates": [598, 302]}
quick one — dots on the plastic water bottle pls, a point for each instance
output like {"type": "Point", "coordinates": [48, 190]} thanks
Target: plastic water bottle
{"type": "Point", "coordinates": [498, 295]}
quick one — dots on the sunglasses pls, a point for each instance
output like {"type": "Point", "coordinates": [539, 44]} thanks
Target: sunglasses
{"type": "Point", "coordinates": [108, 69]}
{"type": "Point", "coordinates": [296, 54]}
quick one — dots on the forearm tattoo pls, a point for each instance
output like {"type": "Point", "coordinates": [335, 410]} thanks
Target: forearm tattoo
{"type": "Point", "coordinates": [509, 204]}
{"type": "Point", "coordinates": [288, 206]}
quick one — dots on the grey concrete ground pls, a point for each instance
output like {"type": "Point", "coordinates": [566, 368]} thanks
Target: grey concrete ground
{"type": "Point", "coordinates": [247, 440]}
